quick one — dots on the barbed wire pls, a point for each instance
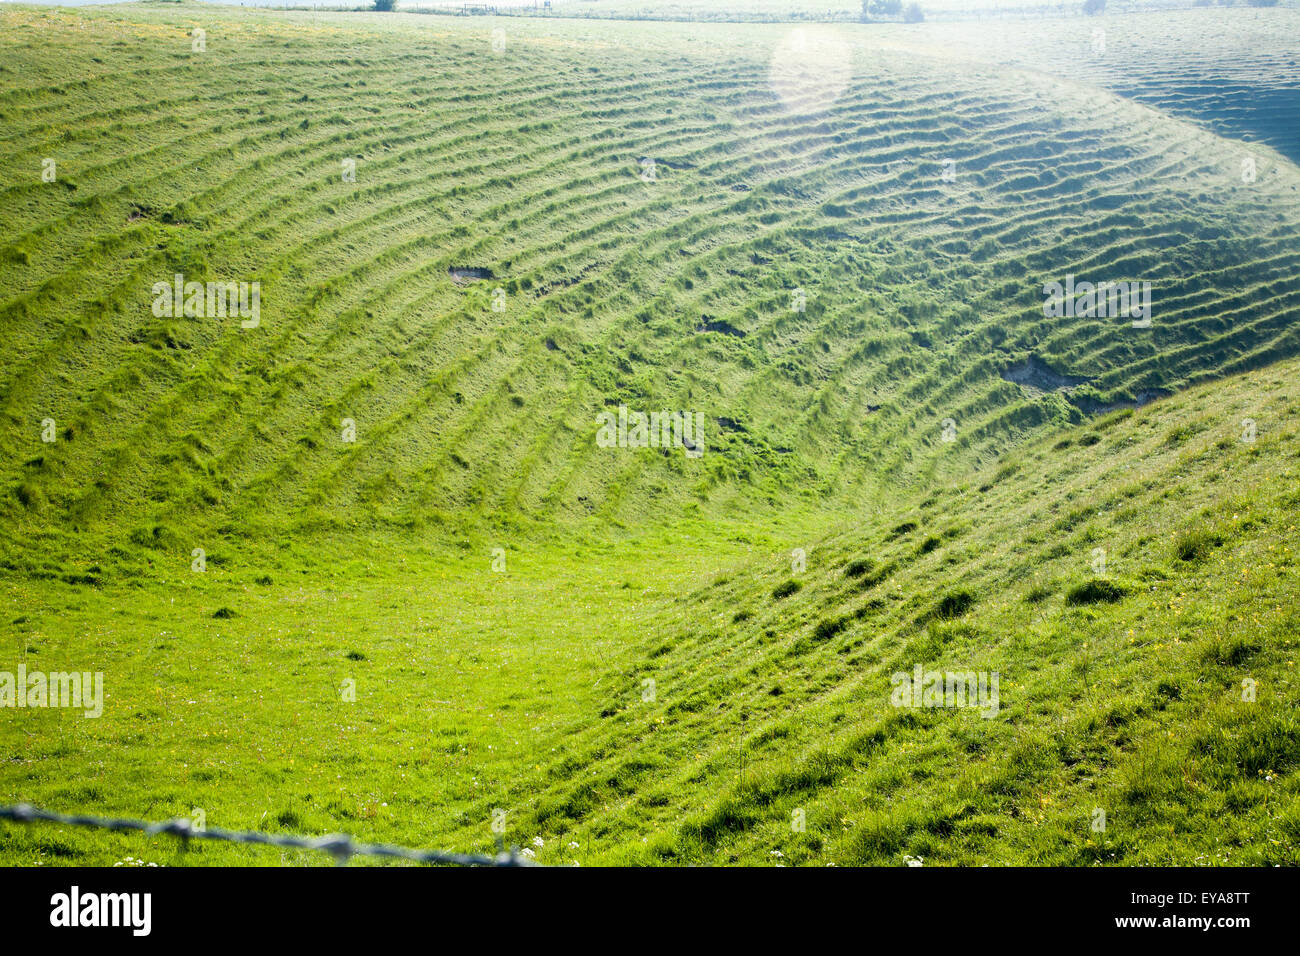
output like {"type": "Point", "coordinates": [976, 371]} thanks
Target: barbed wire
{"type": "Point", "coordinates": [338, 845]}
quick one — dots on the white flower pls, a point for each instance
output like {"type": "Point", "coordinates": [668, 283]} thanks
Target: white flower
{"type": "Point", "coordinates": [528, 852]}
{"type": "Point", "coordinates": [777, 853]}
{"type": "Point", "coordinates": [913, 860]}
{"type": "Point", "coordinates": [573, 844]}
{"type": "Point", "coordinates": [537, 842]}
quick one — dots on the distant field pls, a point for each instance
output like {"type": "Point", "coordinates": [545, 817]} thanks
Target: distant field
{"type": "Point", "coordinates": [831, 242]}
{"type": "Point", "coordinates": [780, 10]}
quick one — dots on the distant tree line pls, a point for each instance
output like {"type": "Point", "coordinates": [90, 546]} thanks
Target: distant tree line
{"type": "Point", "coordinates": [879, 9]}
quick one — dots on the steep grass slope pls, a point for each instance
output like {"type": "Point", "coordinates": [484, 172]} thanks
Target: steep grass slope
{"type": "Point", "coordinates": [1132, 585]}
{"type": "Point", "coordinates": [688, 700]}
{"type": "Point", "coordinates": [673, 294]}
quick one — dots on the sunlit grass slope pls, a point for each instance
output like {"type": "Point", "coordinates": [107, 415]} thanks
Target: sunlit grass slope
{"type": "Point", "coordinates": [1158, 685]}
{"type": "Point", "coordinates": [1235, 71]}
{"type": "Point", "coordinates": [674, 294]}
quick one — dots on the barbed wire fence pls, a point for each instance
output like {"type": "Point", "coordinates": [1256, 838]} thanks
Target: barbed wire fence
{"type": "Point", "coordinates": [338, 845]}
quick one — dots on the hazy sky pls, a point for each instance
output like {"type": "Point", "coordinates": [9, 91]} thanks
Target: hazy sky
{"type": "Point", "coordinates": [677, 4]}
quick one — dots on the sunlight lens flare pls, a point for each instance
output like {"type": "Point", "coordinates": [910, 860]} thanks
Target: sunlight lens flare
{"type": "Point", "coordinates": [811, 69]}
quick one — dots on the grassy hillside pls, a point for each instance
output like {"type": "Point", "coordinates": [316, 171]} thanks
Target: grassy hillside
{"type": "Point", "coordinates": [497, 585]}
{"type": "Point", "coordinates": [1235, 71]}
{"type": "Point", "coordinates": [526, 690]}
{"type": "Point", "coordinates": [1121, 684]}
{"type": "Point", "coordinates": [674, 294]}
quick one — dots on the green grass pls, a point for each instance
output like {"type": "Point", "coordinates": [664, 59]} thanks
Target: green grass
{"type": "Point", "coordinates": [1131, 702]}
{"type": "Point", "coordinates": [655, 657]}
